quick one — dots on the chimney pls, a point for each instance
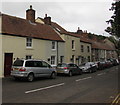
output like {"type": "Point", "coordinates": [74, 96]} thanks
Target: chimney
{"type": "Point", "coordinates": [79, 31]}
{"type": "Point", "coordinates": [47, 20]}
{"type": "Point", "coordinates": [30, 14]}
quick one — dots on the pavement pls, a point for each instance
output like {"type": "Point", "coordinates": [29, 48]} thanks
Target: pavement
{"type": "Point", "coordinates": [101, 87]}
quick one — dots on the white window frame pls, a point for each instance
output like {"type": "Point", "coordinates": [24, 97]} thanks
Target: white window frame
{"type": "Point", "coordinates": [73, 44]}
{"type": "Point", "coordinates": [53, 45]}
{"type": "Point", "coordinates": [28, 42]}
{"type": "Point", "coordinates": [53, 61]}
{"type": "Point", "coordinates": [28, 57]}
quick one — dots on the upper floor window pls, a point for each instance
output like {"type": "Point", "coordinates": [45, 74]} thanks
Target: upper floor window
{"type": "Point", "coordinates": [53, 45]}
{"type": "Point", "coordinates": [82, 48]}
{"type": "Point", "coordinates": [29, 42]}
{"type": "Point", "coordinates": [88, 48]}
{"type": "Point", "coordinates": [73, 45]}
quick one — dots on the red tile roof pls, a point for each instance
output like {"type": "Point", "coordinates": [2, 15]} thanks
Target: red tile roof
{"type": "Point", "coordinates": [21, 27]}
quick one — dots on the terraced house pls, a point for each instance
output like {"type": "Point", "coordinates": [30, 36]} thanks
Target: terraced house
{"type": "Point", "coordinates": [43, 39]}
{"type": "Point", "coordinates": [25, 38]}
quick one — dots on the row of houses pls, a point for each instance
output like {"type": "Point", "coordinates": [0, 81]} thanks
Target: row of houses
{"type": "Point", "coordinates": [43, 39]}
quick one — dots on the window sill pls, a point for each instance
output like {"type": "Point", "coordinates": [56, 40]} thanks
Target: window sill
{"type": "Point", "coordinates": [29, 48]}
{"type": "Point", "coordinates": [73, 49]}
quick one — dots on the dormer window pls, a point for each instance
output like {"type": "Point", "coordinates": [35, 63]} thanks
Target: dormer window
{"type": "Point", "coordinates": [28, 42]}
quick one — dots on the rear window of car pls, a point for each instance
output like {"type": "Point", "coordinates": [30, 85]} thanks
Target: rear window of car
{"type": "Point", "coordinates": [61, 65]}
{"type": "Point", "coordinates": [18, 63]}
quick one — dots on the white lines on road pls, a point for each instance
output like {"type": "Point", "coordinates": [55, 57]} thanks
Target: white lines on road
{"type": "Point", "coordinates": [83, 79]}
{"type": "Point", "coordinates": [44, 88]}
{"type": "Point", "coordinates": [101, 74]}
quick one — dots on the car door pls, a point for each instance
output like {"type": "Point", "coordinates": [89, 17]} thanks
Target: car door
{"type": "Point", "coordinates": [46, 69]}
{"type": "Point", "coordinates": [76, 69]}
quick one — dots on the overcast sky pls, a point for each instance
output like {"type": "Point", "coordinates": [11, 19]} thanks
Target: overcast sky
{"type": "Point", "coordinates": [90, 15]}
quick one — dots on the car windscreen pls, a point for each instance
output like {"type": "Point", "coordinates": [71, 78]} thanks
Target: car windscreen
{"type": "Point", "coordinates": [61, 65]}
{"type": "Point", "coordinates": [18, 63]}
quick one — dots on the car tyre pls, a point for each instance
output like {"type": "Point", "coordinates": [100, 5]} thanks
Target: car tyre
{"type": "Point", "coordinates": [90, 71]}
{"type": "Point", "coordinates": [70, 74]}
{"type": "Point", "coordinates": [53, 75]}
{"type": "Point", "coordinates": [30, 77]}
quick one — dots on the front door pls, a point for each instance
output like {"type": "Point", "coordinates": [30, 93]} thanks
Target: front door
{"type": "Point", "coordinates": [8, 57]}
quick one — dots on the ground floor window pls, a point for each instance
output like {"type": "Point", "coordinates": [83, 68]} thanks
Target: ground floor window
{"type": "Point", "coordinates": [28, 56]}
{"type": "Point", "coordinates": [61, 59]}
{"type": "Point", "coordinates": [88, 58]}
{"type": "Point", "coordinates": [52, 60]}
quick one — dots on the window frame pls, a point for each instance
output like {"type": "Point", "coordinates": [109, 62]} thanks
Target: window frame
{"type": "Point", "coordinates": [53, 45]}
{"type": "Point", "coordinates": [29, 42]}
{"type": "Point", "coordinates": [73, 44]}
{"type": "Point", "coordinates": [53, 60]}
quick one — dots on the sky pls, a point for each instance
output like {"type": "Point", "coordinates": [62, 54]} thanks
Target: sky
{"type": "Point", "coordinates": [90, 15]}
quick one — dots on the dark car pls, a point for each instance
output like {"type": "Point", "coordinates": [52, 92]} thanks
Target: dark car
{"type": "Point", "coordinates": [68, 68]}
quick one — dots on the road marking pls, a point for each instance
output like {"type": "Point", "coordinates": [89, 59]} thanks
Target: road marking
{"type": "Point", "coordinates": [52, 86]}
{"type": "Point", "coordinates": [116, 99]}
{"type": "Point", "coordinates": [83, 79]}
{"type": "Point", "coordinates": [101, 74]}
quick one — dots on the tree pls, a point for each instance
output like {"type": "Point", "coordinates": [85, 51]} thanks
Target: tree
{"type": "Point", "coordinates": [114, 28]}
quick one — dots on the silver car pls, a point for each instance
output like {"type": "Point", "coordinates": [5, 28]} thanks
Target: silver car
{"type": "Point", "coordinates": [88, 67]}
{"type": "Point", "coordinates": [32, 68]}
{"type": "Point", "coordinates": [68, 68]}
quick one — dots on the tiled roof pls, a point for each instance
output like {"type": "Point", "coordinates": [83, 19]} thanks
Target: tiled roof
{"type": "Point", "coordinates": [21, 27]}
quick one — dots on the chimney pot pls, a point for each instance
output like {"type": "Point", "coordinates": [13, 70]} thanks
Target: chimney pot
{"type": "Point", "coordinates": [30, 6]}
{"type": "Point", "coordinates": [47, 20]}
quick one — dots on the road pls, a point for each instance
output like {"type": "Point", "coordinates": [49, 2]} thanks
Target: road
{"type": "Point", "coordinates": [99, 87]}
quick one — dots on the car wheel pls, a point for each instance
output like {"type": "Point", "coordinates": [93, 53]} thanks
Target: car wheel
{"type": "Point", "coordinates": [70, 74]}
{"type": "Point", "coordinates": [30, 77]}
{"type": "Point", "coordinates": [53, 75]}
{"type": "Point", "coordinates": [90, 71]}
{"type": "Point", "coordinates": [16, 78]}
{"type": "Point", "coordinates": [80, 73]}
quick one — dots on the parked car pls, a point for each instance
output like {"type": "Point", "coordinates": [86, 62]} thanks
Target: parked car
{"type": "Point", "coordinates": [68, 68]}
{"type": "Point", "coordinates": [88, 67]}
{"type": "Point", "coordinates": [32, 68]}
{"type": "Point", "coordinates": [115, 62]}
{"type": "Point", "coordinates": [101, 65]}
{"type": "Point", "coordinates": [108, 64]}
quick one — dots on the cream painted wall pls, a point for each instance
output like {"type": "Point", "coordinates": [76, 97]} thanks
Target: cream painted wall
{"type": "Point", "coordinates": [68, 47]}
{"type": "Point", "coordinates": [41, 49]}
{"type": "Point", "coordinates": [0, 50]}
{"type": "Point", "coordinates": [39, 21]}
{"type": "Point", "coordinates": [85, 54]}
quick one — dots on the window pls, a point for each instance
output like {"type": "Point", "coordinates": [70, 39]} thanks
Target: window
{"type": "Point", "coordinates": [82, 48]}
{"type": "Point", "coordinates": [28, 56]}
{"type": "Point", "coordinates": [73, 58]}
{"type": "Point", "coordinates": [88, 58]}
{"type": "Point", "coordinates": [88, 48]}
{"type": "Point", "coordinates": [73, 45]}
{"type": "Point", "coordinates": [33, 64]}
{"type": "Point", "coordinates": [44, 64]}
{"type": "Point", "coordinates": [61, 59]}
{"type": "Point", "coordinates": [28, 42]}
{"type": "Point", "coordinates": [52, 60]}
{"type": "Point", "coordinates": [53, 46]}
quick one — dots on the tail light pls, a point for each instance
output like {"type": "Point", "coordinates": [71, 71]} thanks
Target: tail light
{"type": "Point", "coordinates": [65, 68]}
{"type": "Point", "coordinates": [22, 69]}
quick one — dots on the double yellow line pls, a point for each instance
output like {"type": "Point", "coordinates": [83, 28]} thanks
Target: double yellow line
{"type": "Point", "coordinates": [116, 100]}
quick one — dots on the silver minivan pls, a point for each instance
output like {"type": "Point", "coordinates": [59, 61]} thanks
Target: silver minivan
{"type": "Point", "coordinates": [32, 68]}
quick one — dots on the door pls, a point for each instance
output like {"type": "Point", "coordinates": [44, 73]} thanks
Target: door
{"type": "Point", "coordinates": [8, 57]}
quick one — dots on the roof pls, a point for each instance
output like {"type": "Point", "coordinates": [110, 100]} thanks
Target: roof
{"type": "Point", "coordinates": [24, 28]}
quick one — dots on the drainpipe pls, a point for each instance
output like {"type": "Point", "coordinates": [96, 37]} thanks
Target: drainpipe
{"type": "Point", "coordinates": [57, 53]}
